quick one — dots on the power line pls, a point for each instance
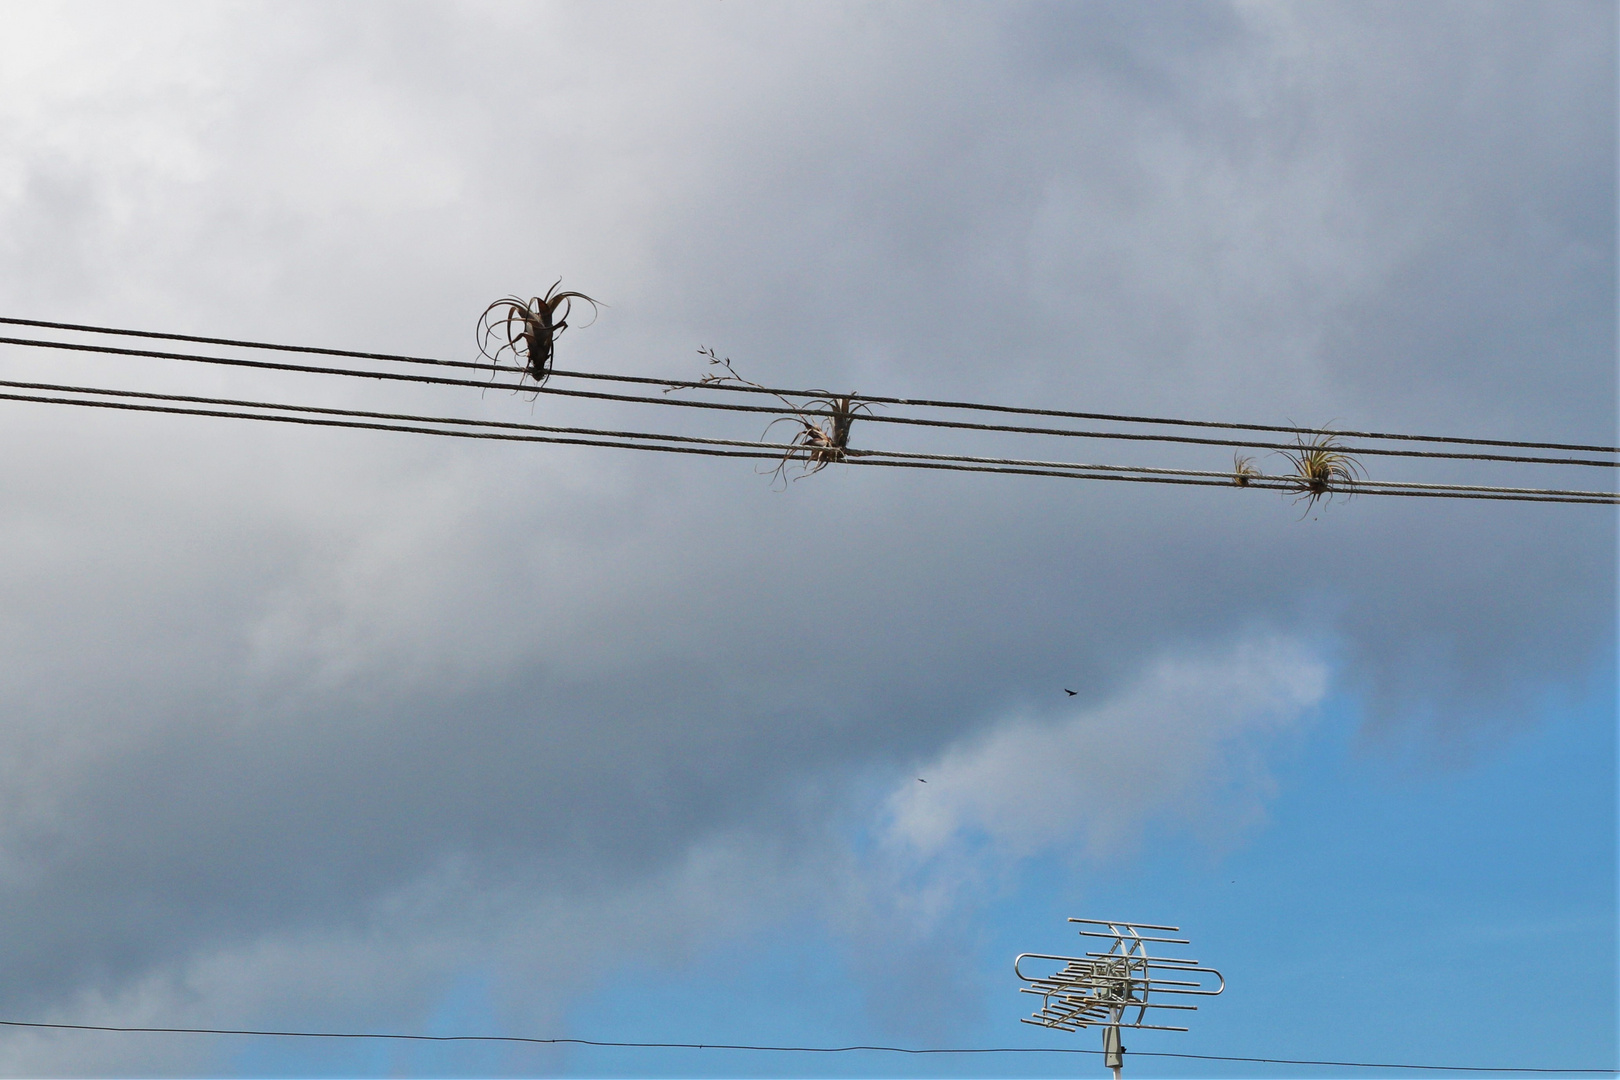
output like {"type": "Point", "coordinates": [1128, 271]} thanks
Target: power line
{"type": "Point", "coordinates": [767, 409]}
{"type": "Point", "coordinates": [870, 398]}
{"type": "Point", "coordinates": [265, 365]}
{"type": "Point", "coordinates": [614, 1044]}
{"type": "Point", "coordinates": [814, 394]}
{"type": "Point", "coordinates": [313, 421]}
{"type": "Point", "coordinates": [891, 458]}
{"type": "Point", "coordinates": [1222, 477]}
{"type": "Point", "coordinates": [1114, 417]}
{"type": "Point", "coordinates": [310, 349]}
{"type": "Point", "coordinates": [1599, 498]}
{"type": "Point", "coordinates": [353, 413]}
{"type": "Point", "coordinates": [407, 423]}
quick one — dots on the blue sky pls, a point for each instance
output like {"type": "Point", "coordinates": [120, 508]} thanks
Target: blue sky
{"type": "Point", "coordinates": [354, 731]}
{"type": "Point", "coordinates": [1464, 917]}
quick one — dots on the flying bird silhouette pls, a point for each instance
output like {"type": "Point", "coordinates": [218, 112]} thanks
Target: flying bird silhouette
{"type": "Point", "coordinates": [1066, 690]}
{"type": "Point", "coordinates": [920, 780]}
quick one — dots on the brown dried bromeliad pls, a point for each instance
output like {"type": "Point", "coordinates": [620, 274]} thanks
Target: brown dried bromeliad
{"type": "Point", "coordinates": [823, 435]}
{"type": "Point", "coordinates": [823, 427]}
{"type": "Point", "coordinates": [528, 329]}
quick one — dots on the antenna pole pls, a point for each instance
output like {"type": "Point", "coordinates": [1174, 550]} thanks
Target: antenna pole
{"type": "Point", "coordinates": [1113, 1052]}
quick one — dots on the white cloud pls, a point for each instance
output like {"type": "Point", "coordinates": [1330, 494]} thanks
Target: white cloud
{"type": "Point", "coordinates": [1185, 741]}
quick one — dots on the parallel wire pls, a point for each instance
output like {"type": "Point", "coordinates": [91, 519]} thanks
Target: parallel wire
{"type": "Point", "coordinates": [811, 394]}
{"type": "Point", "coordinates": [1269, 482]}
{"type": "Point", "coordinates": [1115, 417]}
{"type": "Point", "coordinates": [1595, 498]}
{"type": "Point", "coordinates": [611, 1044]}
{"type": "Point", "coordinates": [320, 410]}
{"type": "Point", "coordinates": [311, 349]}
{"type": "Point", "coordinates": [313, 421]}
{"type": "Point", "coordinates": [407, 423]}
{"type": "Point", "coordinates": [921, 402]}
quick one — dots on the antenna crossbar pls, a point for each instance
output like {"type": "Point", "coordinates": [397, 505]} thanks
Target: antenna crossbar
{"type": "Point", "coordinates": [1128, 938]}
{"type": "Point", "coordinates": [1133, 925]}
{"type": "Point", "coordinates": [1060, 1026]}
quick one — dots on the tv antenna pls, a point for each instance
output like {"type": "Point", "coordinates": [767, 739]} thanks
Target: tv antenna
{"type": "Point", "coordinates": [1103, 989]}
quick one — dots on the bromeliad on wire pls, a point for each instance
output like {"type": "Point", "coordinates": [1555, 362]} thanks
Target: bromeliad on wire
{"type": "Point", "coordinates": [823, 423]}
{"type": "Point", "coordinates": [528, 329]}
{"type": "Point", "coordinates": [817, 443]}
{"type": "Point", "coordinates": [1322, 469]}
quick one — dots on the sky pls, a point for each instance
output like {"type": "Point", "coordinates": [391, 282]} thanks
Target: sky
{"type": "Point", "coordinates": [355, 731]}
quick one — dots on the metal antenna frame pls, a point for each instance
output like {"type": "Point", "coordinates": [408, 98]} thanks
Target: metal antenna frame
{"type": "Point", "coordinates": [1102, 988]}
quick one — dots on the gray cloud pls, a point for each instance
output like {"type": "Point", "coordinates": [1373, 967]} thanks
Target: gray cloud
{"type": "Point", "coordinates": [1168, 745]}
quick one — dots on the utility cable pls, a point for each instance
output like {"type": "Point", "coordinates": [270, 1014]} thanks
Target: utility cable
{"type": "Point", "coordinates": [1114, 417]}
{"type": "Point", "coordinates": [773, 410]}
{"type": "Point", "coordinates": [314, 421]}
{"type": "Point", "coordinates": [1593, 498]}
{"type": "Point", "coordinates": [786, 451]}
{"type": "Point", "coordinates": [347, 418]}
{"type": "Point", "coordinates": [921, 402]}
{"type": "Point", "coordinates": [613, 1044]}
{"type": "Point", "coordinates": [874, 399]}
{"type": "Point", "coordinates": [361, 414]}
{"type": "Point", "coordinates": [310, 349]}
{"type": "Point", "coordinates": [1271, 482]}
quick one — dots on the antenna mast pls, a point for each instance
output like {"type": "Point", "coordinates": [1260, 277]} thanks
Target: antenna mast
{"type": "Point", "coordinates": [1106, 988]}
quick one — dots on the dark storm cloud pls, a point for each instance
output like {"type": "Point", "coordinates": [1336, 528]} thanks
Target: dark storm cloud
{"type": "Point", "coordinates": [260, 681]}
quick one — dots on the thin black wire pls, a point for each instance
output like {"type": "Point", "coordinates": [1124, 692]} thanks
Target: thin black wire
{"type": "Point", "coordinates": [611, 439]}
{"type": "Point", "coordinates": [363, 414]}
{"type": "Point", "coordinates": [771, 1049]}
{"type": "Point", "coordinates": [1116, 417]}
{"type": "Point", "coordinates": [268, 365]}
{"type": "Point", "coordinates": [1273, 483]}
{"type": "Point", "coordinates": [1128, 436]}
{"type": "Point", "coordinates": [311, 421]}
{"type": "Point", "coordinates": [1597, 498]}
{"type": "Point", "coordinates": [715, 405]}
{"type": "Point", "coordinates": [920, 402]}
{"type": "Point", "coordinates": [314, 350]}
{"type": "Point", "coordinates": [614, 439]}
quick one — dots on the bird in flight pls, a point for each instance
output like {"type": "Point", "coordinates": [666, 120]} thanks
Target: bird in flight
{"type": "Point", "coordinates": [1066, 690]}
{"type": "Point", "coordinates": [920, 780]}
